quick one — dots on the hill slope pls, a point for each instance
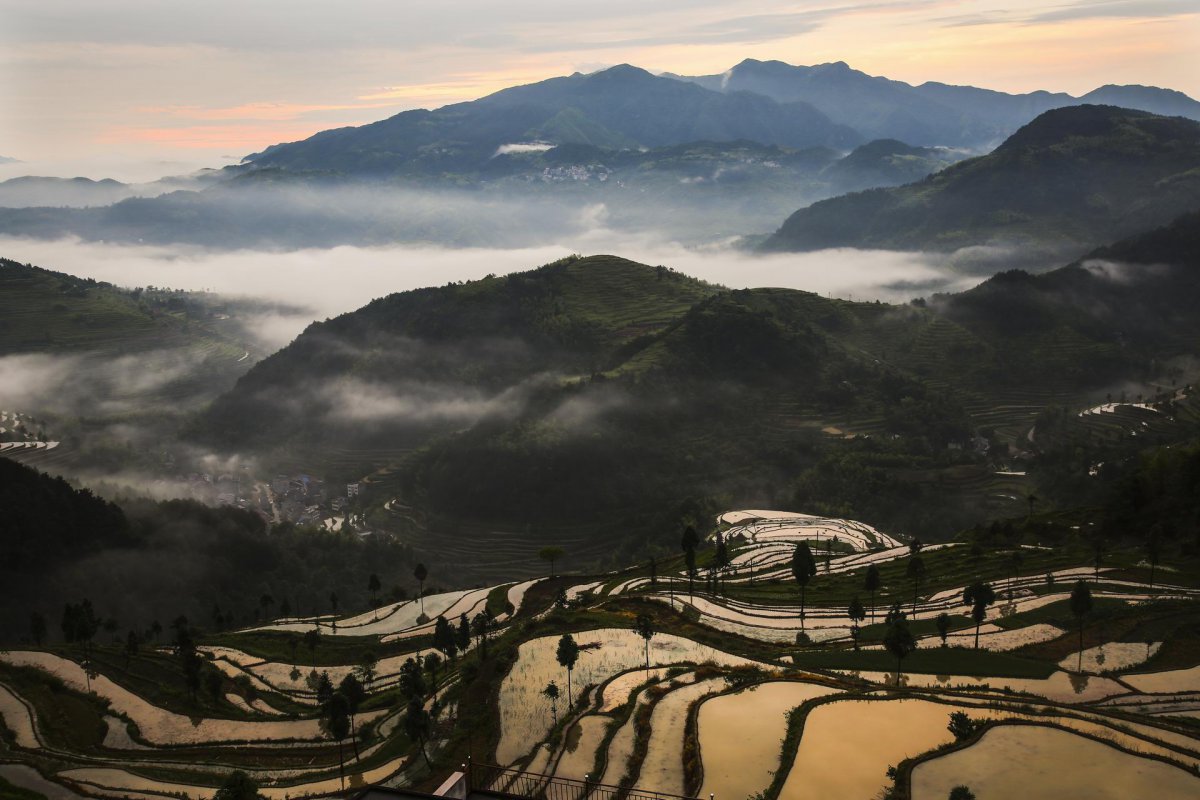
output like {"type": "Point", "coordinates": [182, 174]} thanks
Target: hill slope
{"type": "Point", "coordinates": [1073, 178]}
{"type": "Point", "coordinates": [588, 401]}
{"type": "Point", "coordinates": [440, 358]}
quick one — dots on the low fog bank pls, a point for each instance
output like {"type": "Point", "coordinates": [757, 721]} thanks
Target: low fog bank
{"type": "Point", "coordinates": [319, 283]}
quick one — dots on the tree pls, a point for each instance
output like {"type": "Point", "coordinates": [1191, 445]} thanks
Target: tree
{"type": "Point", "coordinates": [443, 638]}
{"type": "Point", "coordinates": [80, 624]}
{"type": "Point", "coordinates": [871, 583]}
{"type": "Point", "coordinates": [978, 596]}
{"type": "Point", "coordinates": [653, 571]}
{"type": "Point", "coordinates": [412, 679]}
{"type": "Point", "coordinates": [373, 587]}
{"type": "Point", "coordinates": [367, 664]}
{"type": "Point", "coordinates": [1153, 553]}
{"type": "Point", "coordinates": [417, 725]}
{"type": "Point", "coordinates": [132, 644]}
{"type": "Point", "coordinates": [689, 543]}
{"type": "Point", "coordinates": [190, 660]}
{"type": "Point", "coordinates": [420, 573]}
{"type": "Point", "coordinates": [324, 688]}
{"type": "Point", "coordinates": [857, 614]}
{"type": "Point", "coordinates": [645, 629]}
{"type": "Point", "coordinates": [551, 693]}
{"type": "Point", "coordinates": [567, 654]}
{"type": "Point", "coordinates": [804, 567]}
{"type": "Point", "coordinates": [37, 628]}
{"type": "Point", "coordinates": [898, 640]}
{"type": "Point", "coordinates": [335, 721]}
{"type": "Point", "coordinates": [961, 792]}
{"type": "Point", "coordinates": [214, 682]}
{"type": "Point", "coordinates": [1015, 559]}
{"type": "Point", "coordinates": [351, 689]}
{"type": "Point", "coordinates": [721, 558]}
{"type": "Point", "coordinates": [433, 662]}
{"type": "Point", "coordinates": [481, 626]}
{"type": "Point", "coordinates": [1081, 606]}
{"type": "Point", "coordinates": [266, 601]}
{"type": "Point", "coordinates": [916, 573]}
{"type": "Point", "coordinates": [943, 626]}
{"type": "Point", "coordinates": [285, 608]}
{"type": "Point", "coordinates": [551, 554]}
{"type": "Point", "coordinates": [961, 725]}
{"type": "Point", "coordinates": [312, 639]}
{"type": "Point", "coordinates": [1099, 547]}
{"type": "Point", "coordinates": [333, 601]}
{"type": "Point", "coordinates": [463, 635]}
{"type": "Point", "coordinates": [238, 786]}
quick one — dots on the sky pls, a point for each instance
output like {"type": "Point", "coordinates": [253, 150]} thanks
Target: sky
{"type": "Point", "coordinates": [137, 89]}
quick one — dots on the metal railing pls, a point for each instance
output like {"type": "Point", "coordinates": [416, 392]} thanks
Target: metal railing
{"type": "Point", "coordinates": [514, 782]}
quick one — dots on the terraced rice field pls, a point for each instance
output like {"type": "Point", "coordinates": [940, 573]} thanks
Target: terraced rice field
{"type": "Point", "coordinates": [525, 716]}
{"type": "Point", "coordinates": [629, 722]}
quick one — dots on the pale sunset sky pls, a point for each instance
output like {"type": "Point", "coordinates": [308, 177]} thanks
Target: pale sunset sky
{"type": "Point", "coordinates": [136, 89]}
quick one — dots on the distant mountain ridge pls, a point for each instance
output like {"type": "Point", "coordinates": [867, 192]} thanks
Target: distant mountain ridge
{"type": "Point", "coordinates": [928, 114]}
{"type": "Point", "coordinates": [768, 102]}
{"type": "Point", "coordinates": [700, 191]}
{"type": "Point", "coordinates": [702, 160]}
{"type": "Point", "coordinates": [1072, 179]}
{"type": "Point", "coordinates": [619, 107]}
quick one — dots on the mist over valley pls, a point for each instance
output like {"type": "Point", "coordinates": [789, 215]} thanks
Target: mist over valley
{"type": "Point", "coordinates": [399, 400]}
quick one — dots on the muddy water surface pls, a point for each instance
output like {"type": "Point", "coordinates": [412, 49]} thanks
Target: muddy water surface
{"type": "Point", "coordinates": [740, 736]}
{"type": "Point", "coordinates": [1038, 763]}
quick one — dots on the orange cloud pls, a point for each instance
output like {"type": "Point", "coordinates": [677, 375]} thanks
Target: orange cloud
{"type": "Point", "coordinates": [460, 87]}
{"type": "Point", "coordinates": [256, 111]}
{"type": "Point", "coordinates": [210, 137]}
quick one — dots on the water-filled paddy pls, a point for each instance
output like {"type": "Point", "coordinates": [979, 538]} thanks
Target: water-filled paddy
{"type": "Point", "coordinates": [525, 714]}
{"type": "Point", "coordinates": [740, 735]}
{"type": "Point", "coordinates": [1029, 762]}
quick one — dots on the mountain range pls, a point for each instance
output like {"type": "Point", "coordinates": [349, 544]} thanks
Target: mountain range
{"type": "Point", "coordinates": [624, 107]}
{"type": "Point", "coordinates": [928, 114]}
{"type": "Point", "coordinates": [702, 159]}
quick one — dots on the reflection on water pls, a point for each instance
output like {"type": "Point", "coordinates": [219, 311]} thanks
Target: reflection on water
{"type": "Point", "coordinates": [741, 735]}
{"type": "Point", "coordinates": [848, 745]}
{"type": "Point", "coordinates": [1039, 763]}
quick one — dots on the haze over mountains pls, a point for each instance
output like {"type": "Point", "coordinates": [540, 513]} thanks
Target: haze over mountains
{"type": "Point", "coordinates": [699, 160]}
{"type": "Point", "coordinates": [1072, 178]}
{"type": "Point", "coordinates": [931, 113]}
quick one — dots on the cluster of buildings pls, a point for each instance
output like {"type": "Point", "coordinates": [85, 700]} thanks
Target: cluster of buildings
{"type": "Point", "coordinates": [300, 499]}
{"type": "Point", "coordinates": [306, 500]}
{"type": "Point", "coordinates": [575, 172]}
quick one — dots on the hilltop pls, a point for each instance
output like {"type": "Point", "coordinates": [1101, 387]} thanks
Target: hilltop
{"type": "Point", "coordinates": [42, 311]}
{"type": "Point", "coordinates": [108, 372]}
{"type": "Point", "coordinates": [1072, 179]}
